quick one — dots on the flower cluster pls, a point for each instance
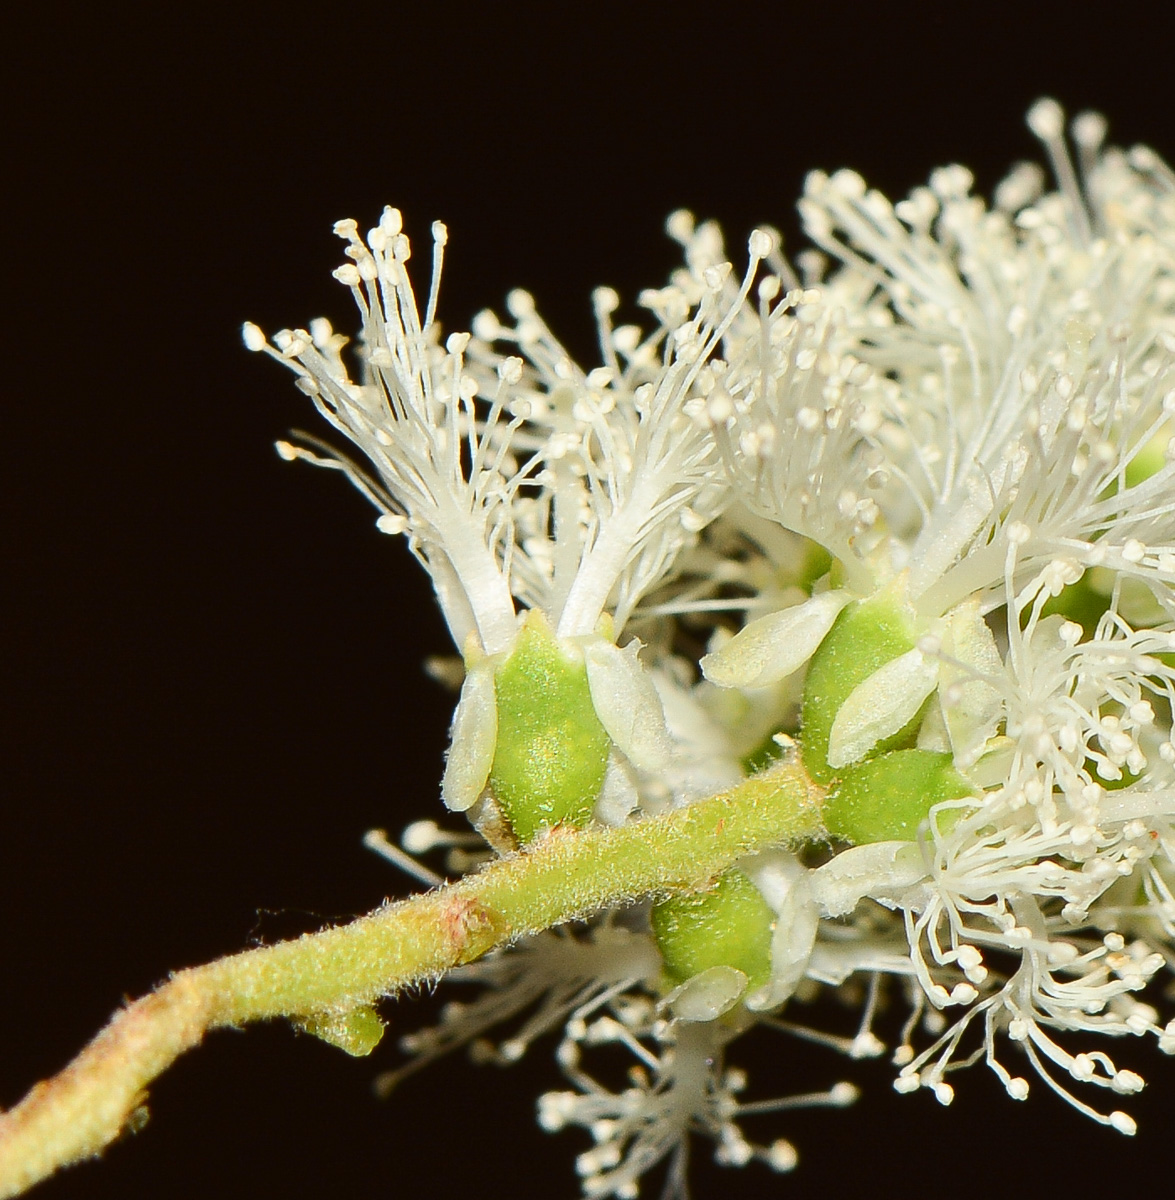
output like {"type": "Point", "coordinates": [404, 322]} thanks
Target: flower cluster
{"type": "Point", "coordinates": [907, 518]}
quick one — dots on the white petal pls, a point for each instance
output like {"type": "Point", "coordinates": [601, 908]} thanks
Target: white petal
{"type": "Point", "coordinates": [707, 995]}
{"type": "Point", "coordinates": [626, 701]}
{"type": "Point", "coordinates": [881, 870]}
{"type": "Point", "coordinates": [880, 705]}
{"type": "Point", "coordinates": [933, 733]}
{"type": "Point", "coordinates": [783, 881]}
{"type": "Point", "coordinates": [703, 760]}
{"type": "Point", "coordinates": [774, 873]}
{"type": "Point", "coordinates": [770, 648]}
{"type": "Point", "coordinates": [473, 739]}
{"type": "Point", "coordinates": [995, 764]}
{"type": "Point", "coordinates": [972, 707]}
{"type": "Point", "coordinates": [618, 795]}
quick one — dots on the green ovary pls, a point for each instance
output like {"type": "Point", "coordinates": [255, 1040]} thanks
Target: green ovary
{"type": "Point", "coordinates": [728, 926]}
{"type": "Point", "coordinates": [888, 797]}
{"type": "Point", "coordinates": [865, 636]}
{"type": "Point", "coordinates": [551, 750]}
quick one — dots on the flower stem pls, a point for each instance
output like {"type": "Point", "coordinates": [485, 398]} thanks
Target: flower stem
{"type": "Point", "coordinates": [564, 876]}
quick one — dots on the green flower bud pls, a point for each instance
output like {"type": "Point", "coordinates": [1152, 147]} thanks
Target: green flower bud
{"type": "Point", "coordinates": [886, 798]}
{"type": "Point", "coordinates": [865, 636]}
{"type": "Point", "coordinates": [728, 926]}
{"type": "Point", "coordinates": [551, 750]}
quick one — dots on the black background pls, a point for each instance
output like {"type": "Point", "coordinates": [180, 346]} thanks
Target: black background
{"type": "Point", "coordinates": [212, 660]}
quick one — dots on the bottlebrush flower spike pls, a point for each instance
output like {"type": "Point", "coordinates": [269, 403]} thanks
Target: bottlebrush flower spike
{"type": "Point", "coordinates": [937, 481]}
{"type": "Point", "coordinates": [526, 483]}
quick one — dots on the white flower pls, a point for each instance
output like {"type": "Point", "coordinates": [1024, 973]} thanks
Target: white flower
{"type": "Point", "coordinates": [1027, 354]}
{"type": "Point", "coordinates": [526, 481]}
{"type": "Point", "coordinates": [680, 1086]}
{"type": "Point", "coordinates": [562, 976]}
{"type": "Point", "coordinates": [1008, 929]}
{"type": "Point", "coordinates": [975, 412]}
{"type": "Point", "coordinates": [442, 476]}
{"type": "Point", "coordinates": [972, 378]}
{"type": "Point", "coordinates": [521, 478]}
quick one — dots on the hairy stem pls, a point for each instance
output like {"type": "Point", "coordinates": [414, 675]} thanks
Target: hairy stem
{"type": "Point", "coordinates": [567, 874]}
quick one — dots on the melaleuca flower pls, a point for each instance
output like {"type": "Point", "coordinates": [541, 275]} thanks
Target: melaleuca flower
{"type": "Point", "coordinates": [972, 376]}
{"type": "Point", "coordinates": [559, 975]}
{"type": "Point", "coordinates": [1013, 903]}
{"type": "Point", "coordinates": [525, 484]}
{"type": "Point", "coordinates": [680, 1086]}
{"type": "Point", "coordinates": [1029, 361]}
{"type": "Point", "coordinates": [973, 416]}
